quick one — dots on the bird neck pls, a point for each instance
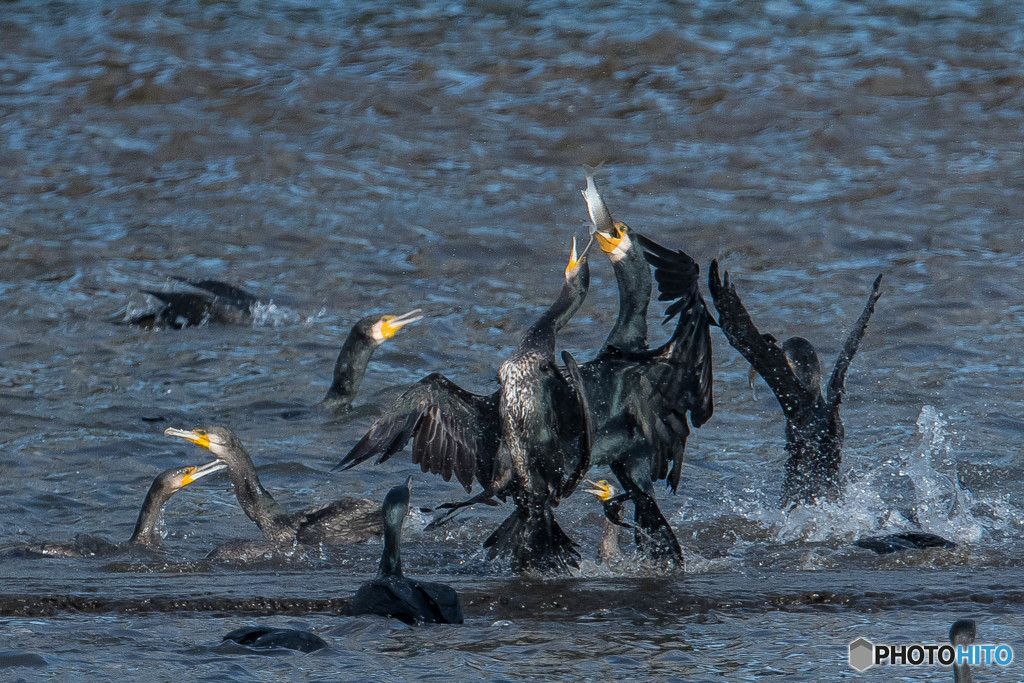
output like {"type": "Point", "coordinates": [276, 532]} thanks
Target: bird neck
{"type": "Point", "coordinates": [633, 276]}
{"type": "Point", "coordinates": [349, 369]}
{"type": "Point", "coordinates": [256, 501]}
{"type": "Point", "coordinates": [149, 516]}
{"type": "Point", "coordinates": [391, 558]}
{"type": "Point", "coordinates": [541, 335]}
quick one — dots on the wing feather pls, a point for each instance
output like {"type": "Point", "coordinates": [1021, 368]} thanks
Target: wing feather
{"type": "Point", "coordinates": [454, 432]}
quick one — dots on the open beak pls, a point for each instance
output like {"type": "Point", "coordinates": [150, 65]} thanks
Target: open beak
{"type": "Point", "coordinates": [196, 436]}
{"type": "Point", "coordinates": [575, 261]}
{"type": "Point", "coordinates": [601, 489]}
{"type": "Point", "coordinates": [609, 241]}
{"type": "Point", "coordinates": [194, 473]}
{"type": "Point", "coordinates": [389, 324]}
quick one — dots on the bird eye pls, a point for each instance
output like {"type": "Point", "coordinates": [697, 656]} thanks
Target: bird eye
{"type": "Point", "coordinates": [199, 432]}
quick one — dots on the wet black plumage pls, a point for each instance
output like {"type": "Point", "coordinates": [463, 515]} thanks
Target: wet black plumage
{"type": "Point", "coordinates": [271, 638]}
{"type": "Point", "coordinates": [641, 397]}
{"type": "Point", "coordinates": [814, 429]}
{"type": "Point", "coordinates": [146, 533]}
{"type": "Point", "coordinates": [528, 440]}
{"type": "Point", "coordinates": [898, 542]}
{"type": "Point", "coordinates": [220, 302]}
{"type": "Point", "coordinates": [391, 593]}
{"type": "Point", "coordinates": [346, 520]}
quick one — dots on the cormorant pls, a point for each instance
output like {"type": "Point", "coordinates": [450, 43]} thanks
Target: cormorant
{"type": "Point", "coordinates": [393, 595]}
{"type": "Point", "coordinates": [221, 303]}
{"type": "Point", "coordinates": [271, 638]}
{"type": "Point", "coordinates": [640, 397]}
{"type": "Point", "coordinates": [530, 439]}
{"type": "Point", "coordinates": [814, 430]}
{"type": "Point", "coordinates": [962, 633]}
{"type": "Point", "coordinates": [908, 540]}
{"type": "Point", "coordinates": [366, 335]}
{"type": "Point", "coordinates": [608, 550]}
{"type": "Point", "coordinates": [164, 485]}
{"type": "Point", "coordinates": [346, 520]}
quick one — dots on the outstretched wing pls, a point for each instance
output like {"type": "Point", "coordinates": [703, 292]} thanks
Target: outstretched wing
{"type": "Point", "coordinates": [837, 383]}
{"type": "Point", "coordinates": [453, 431]}
{"type": "Point", "coordinates": [760, 350]}
{"type": "Point", "coordinates": [681, 370]}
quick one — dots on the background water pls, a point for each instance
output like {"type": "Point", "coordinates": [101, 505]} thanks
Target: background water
{"type": "Point", "coordinates": [371, 157]}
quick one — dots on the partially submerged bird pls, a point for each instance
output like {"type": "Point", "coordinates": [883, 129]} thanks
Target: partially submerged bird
{"type": "Point", "coordinates": [814, 429]}
{"type": "Point", "coordinates": [529, 440]}
{"type": "Point", "coordinates": [640, 397]}
{"type": "Point", "coordinates": [366, 335]}
{"type": "Point", "coordinates": [962, 634]}
{"type": "Point", "coordinates": [271, 638]}
{"type": "Point", "coordinates": [608, 549]}
{"type": "Point", "coordinates": [346, 520]}
{"type": "Point", "coordinates": [218, 303]}
{"type": "Point", "coordinates": [391, 594]}
{"type": "Point", "coordinates": [146, 534]}
{"type": "Point", "coordinates": [908, 540]}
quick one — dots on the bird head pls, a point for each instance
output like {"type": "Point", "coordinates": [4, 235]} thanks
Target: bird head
{"type": "Point", "coordinates": [602, 490]}
{"type": "Point", "coordinates": [803, 361]}
{"type": "Point", "coordinates": [178, 478]}
{"type": "Point", "coordinates": [380, 328]}
{"type": "Point", "coordinates": [396, 503]}
{"type": "Point", "coordinates": [220, 441]}
{"type": "Point", "coordinates": [615, 243]}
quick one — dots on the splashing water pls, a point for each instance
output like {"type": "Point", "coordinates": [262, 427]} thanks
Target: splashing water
{"type": "Point", "coordinates": [271, 315]}
{"type": "Point", "coordinates": [918, 490]}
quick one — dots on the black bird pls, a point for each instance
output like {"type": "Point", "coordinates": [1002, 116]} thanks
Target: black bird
{"type": "Point", "coordinates": [366, 335]}
{"type": "Point", "coordinates": [962, 633]}
{"type": "Point", "coordinates": [393, 595]}
{"type": "Point", "coordinates": [346, 520]}
{"type": "Point", "coordinates": [608, 550]}
{"type": "Point", "coordinates": [271, 638]}
{"type": "Point", "coordinates": [814, 430]}
{"type": "Point", "coordinates": [908, 540]}
{"type": "Point", "coordinates": [219, 303]}
{"type": "Point", "coordinates": [530, 439]}
{"type": "Point", "coordinates": [146, 535]}
{"type": "Point", "coordinates": [640, 398]}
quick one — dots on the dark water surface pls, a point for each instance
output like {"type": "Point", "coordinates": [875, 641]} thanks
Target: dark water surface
{"type": "Point", "coordinates": [369, 157]}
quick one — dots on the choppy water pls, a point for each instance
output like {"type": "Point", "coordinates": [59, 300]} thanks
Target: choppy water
{"type": "Point", "coordinates": [369, 157]}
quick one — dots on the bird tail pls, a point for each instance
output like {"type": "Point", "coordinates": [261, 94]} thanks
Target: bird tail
{"type": "Point", "coordinates": [533, 540]}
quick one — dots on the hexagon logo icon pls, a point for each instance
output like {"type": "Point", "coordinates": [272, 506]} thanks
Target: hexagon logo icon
{"type": "Point", "coordinates": [862, 654]}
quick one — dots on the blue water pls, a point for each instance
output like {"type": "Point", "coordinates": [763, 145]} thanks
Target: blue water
{"type": "Point", "coordinates": [370, 158]}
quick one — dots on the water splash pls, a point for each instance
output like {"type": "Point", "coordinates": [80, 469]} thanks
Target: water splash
{"type": "Point", "coordinates": [270, 314]}
{"type": "Point", "coordinates": [916, 490]}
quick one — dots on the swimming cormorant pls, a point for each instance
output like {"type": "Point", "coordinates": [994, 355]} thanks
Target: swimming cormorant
{"type": "Point", "coordinates": [346, 520]}
{"type": "Point", "coordinates": [271, 638]}
{"type": "Point", "coordinates": [962, 633]}
{"type": "Point", "coordinates": [366, 335]}
{"type": "Point", "coordinates": [393, 595]}
{"type": "Point", "coordinates": [608, 550]}
{"type": "Point", "coordinates": [640, 398]}
{"type": "Point", "coordinates": [146, 535]}
{"type": "Point", "coordinates": [530, 439]}
{"type": "Point", "coordinates": [220, 303]}
{"type": "Point", "coordinates": [907, 540]}
{"type": "Point", "coordinates": [814, 430]}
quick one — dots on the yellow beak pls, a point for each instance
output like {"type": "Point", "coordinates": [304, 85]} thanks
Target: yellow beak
{"type": "Point", "coordinates": [389, 324]}
{"type": "Point", "coordinates": [196, 436]}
